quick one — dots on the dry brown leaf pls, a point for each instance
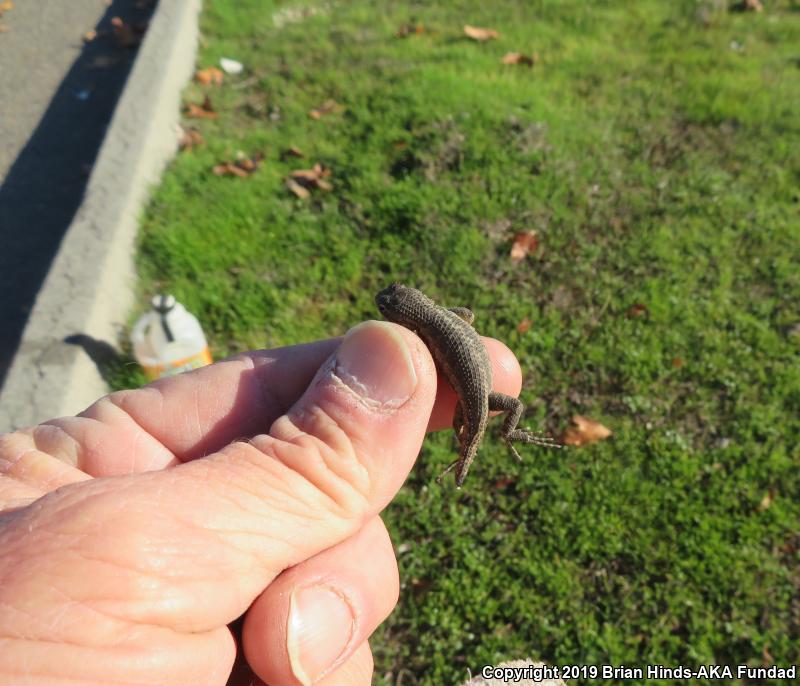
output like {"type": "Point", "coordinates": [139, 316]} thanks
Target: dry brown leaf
{"type": "Point", "coordinates": [209, 76]}
{"type": "Point", "coordinates": [677, 362]}
{"type": "Point", "coordinates": [524, 325]}
{"type": "Point", "coordinates": [204, 111]}
{"type": "Point", "coordinates": [3, 28]}
{"type": "Point", "coordinates": [243, 166]}
{"type": "Point", "coordinates": [304, 176]}
{"type": "Point", "coordinates": [407, 30]}
{"type": "Point", "coordinates": [752, 6]}
{"type": "Point", "coordinates": [291, 151]}
{"type": "Point", "coordinates": [5, 5]}
{"type": "Point", "coordinates": [584, 432]}
{"type": "Point", "coordinates": [125, 34]}
{"type": "Point", "coordinates": [480, 34]}
{"type": "Point", "coordinates": [519, 58]}
{"type": "Point", "coordinates": [190, 138]}
{"type": "Point", "coordinates": [297, 189]}
{"type": "Point", "coordinates": [229, 169]}
{"type": "Point", "coordinates": [327, 107]}
{"type": "Point", "coordinates": [502, 483]}
{"type": "Point", "coordinates": [525, 243]}
{"type": "Point", "coordinates": [637, 310]}
{"type": "Point", "coordinates": [767, 500]}
{"type": "Point", "coordinates": [312, 178]}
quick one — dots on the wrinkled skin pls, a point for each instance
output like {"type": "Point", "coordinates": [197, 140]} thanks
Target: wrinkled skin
{"type": "Point", "coordinates": [140, 538]}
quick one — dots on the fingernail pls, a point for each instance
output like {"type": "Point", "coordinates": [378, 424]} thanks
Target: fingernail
{"type": "Point", "coordinates": [375, 362]}
{"type": "Point", "coordinates": [320, 628]}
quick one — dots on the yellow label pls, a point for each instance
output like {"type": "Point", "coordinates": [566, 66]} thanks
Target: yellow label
{"type": "Point", "coordinates": [159, 371]}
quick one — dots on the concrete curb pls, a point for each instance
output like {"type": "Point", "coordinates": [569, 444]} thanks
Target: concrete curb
{"type": "Point", "coordinates": [89, 287]}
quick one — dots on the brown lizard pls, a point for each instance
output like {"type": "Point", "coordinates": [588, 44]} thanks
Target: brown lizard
{"type": "Point", "coordinates": [461, 356]}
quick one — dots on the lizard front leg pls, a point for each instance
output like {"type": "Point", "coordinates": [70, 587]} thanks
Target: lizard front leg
{"type": "Point", "coordinates": [458, 420]}
{"type": "Point", "coordinates": [499, 402]}
{"type": "Point", "coordinates": [464, 313]}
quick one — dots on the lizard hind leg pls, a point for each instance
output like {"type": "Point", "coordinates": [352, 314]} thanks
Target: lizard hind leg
{"type": "Point", "coordinates": [458, 427]}
{"type": "Point", "coordinates": [499, 402]}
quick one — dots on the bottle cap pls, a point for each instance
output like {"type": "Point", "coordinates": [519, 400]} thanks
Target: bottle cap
{"type": "Point", "coordinates": [163, 303]}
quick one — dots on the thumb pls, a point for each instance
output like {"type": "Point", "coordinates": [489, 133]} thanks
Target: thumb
{"type": "Point", "coordinates": [354, 434]}
{"type": "Point", "coordinates": [199, 542]}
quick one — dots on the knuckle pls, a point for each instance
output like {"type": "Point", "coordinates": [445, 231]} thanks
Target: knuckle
{"type": "Point", "coordinates": [314, 447]}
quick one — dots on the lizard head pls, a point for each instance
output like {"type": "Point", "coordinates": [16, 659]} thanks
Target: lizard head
{"type": "Point", "coordinates": [399, 303]}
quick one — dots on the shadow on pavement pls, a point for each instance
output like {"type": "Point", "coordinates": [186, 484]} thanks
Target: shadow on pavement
{"type": "Point", "coordinates": [103, 354]}
{"type": "Point", "coordinates": [45, 185]}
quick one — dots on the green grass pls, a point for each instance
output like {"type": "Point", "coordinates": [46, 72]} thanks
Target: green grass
{"type": "Point", "coordinates": [655, 148]}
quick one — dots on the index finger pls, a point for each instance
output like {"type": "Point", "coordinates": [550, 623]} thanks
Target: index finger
{"type": "Point", "coordinates": [184, 417]}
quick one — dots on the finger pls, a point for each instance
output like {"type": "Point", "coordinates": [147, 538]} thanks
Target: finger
{"type": "Point", "coordinates": [311, 619]}
{"type": "Point", "coordinates": [506, 378]}
{"type": "Point", "coordinates": [356, 671]}
{"type": "Point", "coordinates": [186, 416]}
{"type": "Point", "coordinates": [181, 417]}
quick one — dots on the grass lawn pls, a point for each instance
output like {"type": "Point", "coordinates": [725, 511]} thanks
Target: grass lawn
{"type": "Point", "coordinates": [655, 149]}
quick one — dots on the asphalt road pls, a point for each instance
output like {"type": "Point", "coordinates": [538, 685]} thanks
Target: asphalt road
{"type": "Point", "coordinates": [57, 95]}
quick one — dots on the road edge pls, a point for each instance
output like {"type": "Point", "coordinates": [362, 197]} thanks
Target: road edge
{"type": "Point", "coordinates": [89, 288]}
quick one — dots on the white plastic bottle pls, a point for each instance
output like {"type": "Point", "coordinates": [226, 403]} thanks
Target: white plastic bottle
{"type": "Point", "coordinates": [168, 340]}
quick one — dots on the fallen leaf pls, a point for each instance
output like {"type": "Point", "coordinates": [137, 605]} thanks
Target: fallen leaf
{"type": "Point", "coordinates": [291, 151]}
{"type": "Point", "coordinates": [6, 5]}
{"type": "Point", "coordinates": [327, 107]}
{"type": "Point", "coordinates": [204, 111]}
{"type": "Point", "coordinates": [480, 34]}
{"type": "Point", "coordinates": [209, 76]}
{"type": "Point", "coordinates": [767, 500]}
{"type": "Point", "coordinates": [242, 167]}
{"type": "Point", "coordinates": [3, 28]}
{"type": "Point", "coordinates": [407, 30]}
{"type": "Point", "coordinates": [229, 169]}
{"type": "Point", "coordinates": [525, 243]}
{"type": "Point", "coordinates": [519, 58]}
{"type": "Point", "coordinates": [503, 483]}
{"type": "Point", "coordinates": [524, 325]}
{"type": "Point", "coordinates": [230, 66]}
{"type": "Point", "coordinates": [190, 138]}
{"type": "Point", "coordinates": [584, 432]}
{"type": "Point", "coordinates": [125, 34]}
{"type": "Point", "coordinates": [313, 174]}
{"type": "Point", "coordinates": [310, 179]}
{"type": "Point", "coordinates": [677, 362]}
{"type": "Point", "coordinates": [297, 189]}
{"type": "Point", "coordinates": [89, 36]}
{"type": "Point", "coordinates": [637, 310]}
{"type": "Point", "coordinates": [751, 6]}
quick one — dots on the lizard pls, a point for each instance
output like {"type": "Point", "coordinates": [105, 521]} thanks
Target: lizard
{"type": "Point", "coordinates": [461, 357]}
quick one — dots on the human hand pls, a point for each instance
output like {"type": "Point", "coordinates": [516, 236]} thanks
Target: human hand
{"type": "Point", "coordinates": [125, 556]}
